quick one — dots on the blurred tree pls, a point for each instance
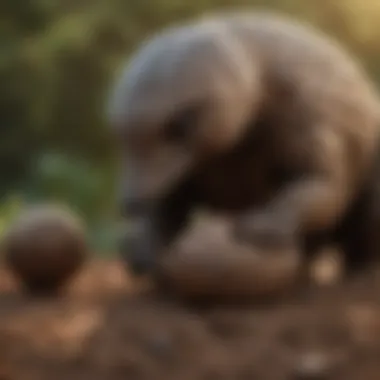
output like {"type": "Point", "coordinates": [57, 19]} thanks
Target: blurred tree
{"type": "Point", "coordinates": [19, 22]}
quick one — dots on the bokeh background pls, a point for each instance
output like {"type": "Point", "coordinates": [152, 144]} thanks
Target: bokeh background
{"type": "Point", "coordinates": [57, 62]}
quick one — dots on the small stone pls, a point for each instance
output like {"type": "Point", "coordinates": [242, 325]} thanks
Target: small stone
{"type": "Point", "coordinates": [312, 366]}
{"type": "Point", "coordinates": [327, 268]}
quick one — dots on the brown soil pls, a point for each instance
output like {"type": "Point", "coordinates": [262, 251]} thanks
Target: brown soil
{"type": "Point", "coordinates": [101, 330]}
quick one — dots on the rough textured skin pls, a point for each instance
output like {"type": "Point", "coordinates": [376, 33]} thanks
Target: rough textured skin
{"type": "Point", "coordinates": [45, 247]}
{"type": "Point", "coordinates": [255, 116]}
{"type": "Point", "coordinates": [205, 262]}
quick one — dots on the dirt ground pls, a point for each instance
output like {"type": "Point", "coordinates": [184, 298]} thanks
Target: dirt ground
{"type": "Point", "coordinates": [101, 329]}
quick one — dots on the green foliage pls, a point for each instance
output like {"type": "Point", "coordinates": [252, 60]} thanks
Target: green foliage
{"type": "Point", "coordinates": [82, 185]}
{"type": "Point", "coordinates": [9, 210]}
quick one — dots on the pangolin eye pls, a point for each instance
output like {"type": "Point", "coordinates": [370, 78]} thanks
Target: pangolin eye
{"type": "Point", "coordinates": [182, 124]}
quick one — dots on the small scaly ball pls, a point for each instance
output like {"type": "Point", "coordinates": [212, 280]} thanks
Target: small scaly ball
{"type": "Point", "coordinates": [45, 247]}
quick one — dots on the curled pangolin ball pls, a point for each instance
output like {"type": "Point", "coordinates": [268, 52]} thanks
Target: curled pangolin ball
{"type": "Point", "coordinates": [208, 262]}
{"type": "Point", "coordinates": [45, 247]}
